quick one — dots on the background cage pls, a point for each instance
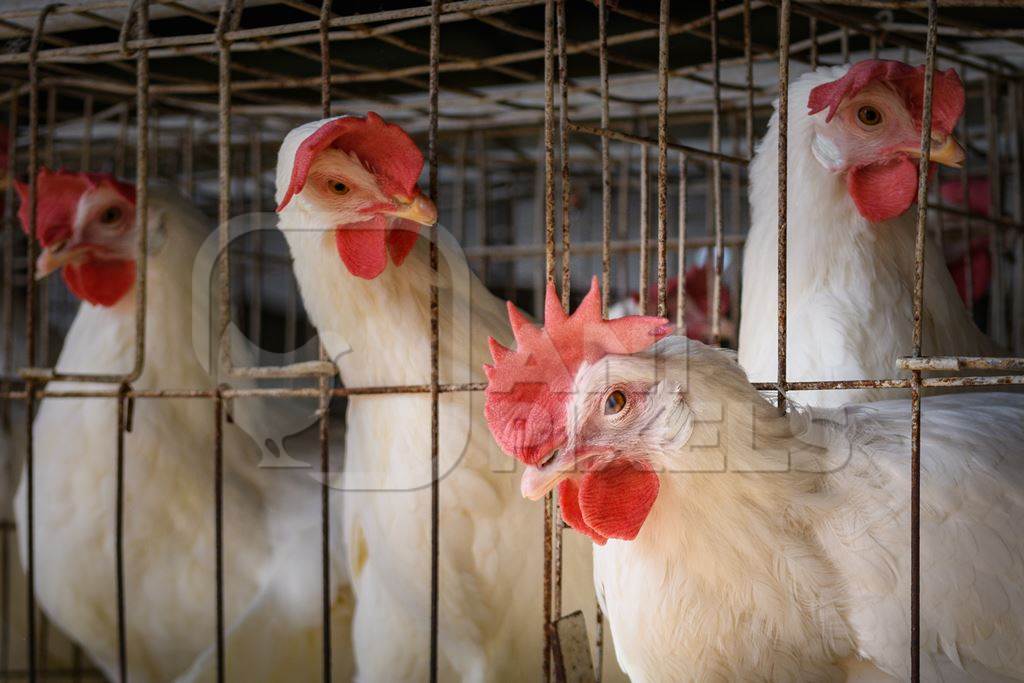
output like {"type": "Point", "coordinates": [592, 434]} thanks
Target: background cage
{"type": "Point", "coordinates": [565, 138]}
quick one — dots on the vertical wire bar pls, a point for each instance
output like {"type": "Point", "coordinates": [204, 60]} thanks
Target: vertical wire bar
{"type": "Point", "coordinates": [435, 484]}
{"type": "Point", "coordinates": [481, 206]}
{"type": "Point", "coordinates": [997, 317]}
{"type": "Point", "coordinates": [814, 42]}
{"type": "Point", "coordinates": [8, 264]}
{"type": "Point", "coordinates": [681, 253]}
{"type": "Point", "coordinates": [645, 228]}
{"type": "Point", "coordinates": [51, 126]}
{"type": "Point", "coordinates": [1015, 103]}
{"type": "Point", "coordinates": [622, 216]}
{"type": "Point", "coordinates": [30, 322]}
{"type": "Point", "coordinates": [663, 21]}
{"type": "Point", "coordinates": [188, 187]}
{"type": "Point", "coordinates": [606, 199]}
{"type": "Point", "coordinates": [87, 107]}
{"type": "Point", "coordinates": [122, 620]}
{"type": "Point", "coordinates": [324, 386]}
{"type": "Point", "coordinates": [716, 179]}
{"type": "Point", "coordinates": [549, 270]}
{"type": "Point", "coordinates": [563, 140]}
{"type": "Point", "coordinates": [218, 525]}
{"type": "Point", "coordinates": [748, 62]}
{"type": "Point", "coordinates": [5, 595]}
{"type": "Point", "coordinates": [964, 134]}
{"type": "Point", "coordinates": [256, 172]}
{"type": "Point", "coordinates": [783, 151]}
{"type": "Point", "coordinates": [459, 189]}
{"type": "Point", "coordinates": [915, 387]}
{"type": "Point", "coordinates": [141, 183]}
{"type": "Point", "coordinates": [228, 19]}
{"type": "Point", "coordinates": [538, 222]}
{"type": "Point", "coordinates": [121, 144]}
{"type": "Point", "coordinates": [844, 44]}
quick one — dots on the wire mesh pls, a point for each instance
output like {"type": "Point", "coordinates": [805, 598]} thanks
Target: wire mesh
{"type": "Point", "coordinates": [229, 80]}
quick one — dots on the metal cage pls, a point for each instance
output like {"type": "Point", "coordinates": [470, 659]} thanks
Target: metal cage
{"type": "Point", "coordinates": [616, 144]}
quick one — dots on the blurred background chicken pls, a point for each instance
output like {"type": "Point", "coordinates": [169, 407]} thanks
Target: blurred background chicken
{"type": "Point", "coordinates": [853, 138]}
{"type": "Point", "coordinates": [697, 309]}
{"type": "Point", "coordinates": [735, 543]}
{"type": "Point", "coordinates": [86, 228]}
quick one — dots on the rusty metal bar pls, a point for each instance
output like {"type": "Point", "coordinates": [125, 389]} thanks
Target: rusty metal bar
{"type": "Point", "coordinates": [549, 270]}
{"type": "Point", "coordinates": [435, 483]}
{"type": "Point", "coordinates": [915, 388]}
{"type": "Point", "coordinates": [481, 205]}
{"type": "Point", "coordinates": [681, 252]}
{"type": "Point", "coordinates": [644, 141]}
{"type": "Point", "coordinates": [218, 529]}
{"type": "Point", "coordinates": [606, 191]}
{"type": "Point", "coordinates": [122, 619]}
{"type": "Point", "coordinates": [996, 317]}
{"type": "Point", "coordinates": [749, 67]}
{"type": "Point", "coordinates": [783, 184]}
{"type": "Point", "coordinates": [664, 18]}
{"type": "Point", "coordinates": [716, 180]}
{"type": "Point", "coordinates": [956, 363]}
{"type": "Point", "coordinates": [645, 227]}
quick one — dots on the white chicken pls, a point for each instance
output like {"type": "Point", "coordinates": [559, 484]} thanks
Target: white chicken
{"type": "Point", "coordinates": [735, 543]}
{"type": "Point", "coordinates": [86, 227]}
{"type": "Point", "coordinates": [348, 202]}
{"type": "Point", "coordinates": [854, 133]}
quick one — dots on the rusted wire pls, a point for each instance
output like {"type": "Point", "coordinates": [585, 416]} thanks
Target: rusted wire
{"type": "Point", "coordinates": [783, 151]}
{"type": "Point", "coordinates": [606, 201]}
{"type": "Point", "coordinates": [645, 228]}
{"type": "Point", "coordinates": [549, 269]}
{"type": "Point", "coordinates": [122, 619]}
{"type": "Point", "coordinates": [681, 251]}
{"type": "Point", "coordinates": [644, 141]}
{"type": "Point", "coordinates": [716, 179]}
{"type": "Point", "coordinates": [435, 474]}
{"type": "Point", "coordinates": [662, 229]}
{"type": "Point", "coordinates": [915, 388]}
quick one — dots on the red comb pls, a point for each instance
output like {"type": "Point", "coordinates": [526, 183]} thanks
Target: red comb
{"type": "Point", "coordinates": [383, 147]}
{"type": "Point", "coordinates": [947, 91]}
{"type": "Point", "coordinates": [58, 194]}
{"type": "Point", "coordinates": [526, 389]}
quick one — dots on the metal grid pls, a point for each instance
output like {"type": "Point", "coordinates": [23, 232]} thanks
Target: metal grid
{"type": "Point", "coordinates": [531, 122]}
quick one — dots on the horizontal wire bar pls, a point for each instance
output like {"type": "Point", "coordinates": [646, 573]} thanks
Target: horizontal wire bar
{"type": "Point", "coordinates": [621, 136]}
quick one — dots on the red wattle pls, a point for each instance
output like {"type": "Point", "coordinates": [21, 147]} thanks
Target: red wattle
{"type": "Point", "coordinates": [102, 283]}
{"type": "Point", "coordinates": [569, 498]}
{"type": "Point", "coordinates": [362, 247]}
{"type": "Point", "coordinates": [610, 503]}
{"type": "Point", "coordinates": [884, 190]}
{"type": "Point", "coordinates": [402, 236]}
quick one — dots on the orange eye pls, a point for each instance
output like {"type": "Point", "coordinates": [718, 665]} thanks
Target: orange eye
{"type": "Point", "coordinates": [869, 116]}
{"type": "Point", "coordinates": [615, 402]}
{"type": "Point", "coordinates": [337, 187]}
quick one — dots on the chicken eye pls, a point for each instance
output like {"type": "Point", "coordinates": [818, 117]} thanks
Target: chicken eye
{"type": "Point", "coordinates": [869, 116]}
{"type": "Point", "coordinates": [111, 215]}
{"type": "Point", "coordinates": [615, 402]}
{"type": "Point", "coordinates": [338, 187]}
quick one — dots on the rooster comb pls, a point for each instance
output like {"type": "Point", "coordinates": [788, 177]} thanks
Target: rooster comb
{"type": "Point", "coordinates": [527, 387]}
{"type": "Point", "coordinates": [908, 81]}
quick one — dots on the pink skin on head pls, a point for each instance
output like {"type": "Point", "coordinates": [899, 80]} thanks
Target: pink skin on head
{"type": "Point", "coordinates": [525, 407]}
{"type": "Point", "coordinates": [93, 252]}
{"type": "Point", "coordinates": [394, 208]}
{"type": "Point", "coordinates": [527, 387]}
{"type": "Point", "coordinates": [879, 160]}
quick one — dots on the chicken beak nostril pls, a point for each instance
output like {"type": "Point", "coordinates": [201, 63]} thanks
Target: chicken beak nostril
{"type": "Point", "coordinates": [548, 460]}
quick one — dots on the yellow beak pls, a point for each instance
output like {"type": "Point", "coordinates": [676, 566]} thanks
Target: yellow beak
{"type": "Point", "coordinates": [57, 256]}
{"type": "Point", "coordinates": [947, 152]}
{"type": "Point", "coordinates": [420, 210]}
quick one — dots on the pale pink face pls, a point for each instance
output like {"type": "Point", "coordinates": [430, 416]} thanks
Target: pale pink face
{"type": "Point", "coordinates": [871, 132]}
{"type": "Point", "coordinates": [85, 224]}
